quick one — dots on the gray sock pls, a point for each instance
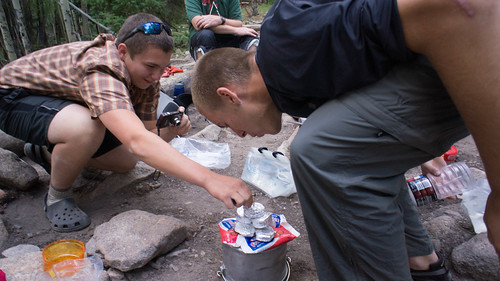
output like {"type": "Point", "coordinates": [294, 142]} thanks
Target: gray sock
{"type": "Point", "coordinates": [55, 195]}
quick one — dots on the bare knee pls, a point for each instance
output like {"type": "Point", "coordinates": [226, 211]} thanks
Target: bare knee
{"type": "Point", "coordinates": [74, 126]}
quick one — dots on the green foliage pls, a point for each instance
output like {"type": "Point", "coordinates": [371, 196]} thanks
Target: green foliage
{"type": "Point", "coordinates": [181, 37]}
{"type": "Point", "coordinates": [112, 13]}
{"type": "Point", "coordinates": [264, 7]}
{"type": "Point", "coordinates": [45, 26]}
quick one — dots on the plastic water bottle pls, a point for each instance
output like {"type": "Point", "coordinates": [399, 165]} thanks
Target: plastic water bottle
{"type": "Point", "coordinates": [455, 178]}
{"type": "Point", "coordinates": [178, 88]}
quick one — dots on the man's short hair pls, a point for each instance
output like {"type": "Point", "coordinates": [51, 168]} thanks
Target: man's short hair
{"type": "Point", "coordinates": [219, 68]}
{"type": "Point", "coordinates": [140, 42]}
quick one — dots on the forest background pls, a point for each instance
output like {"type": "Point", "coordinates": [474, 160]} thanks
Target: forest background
{"type": "Point", "coordinates": [29, 25]}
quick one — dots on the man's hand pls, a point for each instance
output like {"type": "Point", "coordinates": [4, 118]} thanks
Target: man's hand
{"type": "Point", "coordinates": [433, 166]}
{"type": "Point", "coordinates": [232, 192]}
{"type": "Point", "coordinates": [183, 128]}
{"type": "Point", "coordinates": [243, 31]}
{"type": "Point", "coordinates": [207, 21]}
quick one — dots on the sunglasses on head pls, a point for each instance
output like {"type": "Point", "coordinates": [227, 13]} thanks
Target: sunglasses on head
{"type": "Point", "coordinates": [149, 28]}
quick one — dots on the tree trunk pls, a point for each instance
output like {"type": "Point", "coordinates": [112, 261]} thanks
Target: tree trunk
{"type": "Point", "coordinates": [22, 28]}
{"type": "Point", "coordinates": [86, 33]}
{"type": "Point", "coordinates": [42, 19]}
{"type": "Point", "coordinates": [66, 14]}
{"type": "Point", "coordinates": [255, 10]}
{"type": "Point", "coordinates": [7, 39]}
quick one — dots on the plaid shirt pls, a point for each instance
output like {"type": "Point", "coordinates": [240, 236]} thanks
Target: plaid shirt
{"type": "Point", "coordinates": [88, 72]}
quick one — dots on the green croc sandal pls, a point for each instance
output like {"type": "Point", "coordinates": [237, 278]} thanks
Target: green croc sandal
{"type": "Point", "coordinates": [66, 216]}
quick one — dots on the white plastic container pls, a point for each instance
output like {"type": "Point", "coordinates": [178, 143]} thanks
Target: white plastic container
{"type": "Point", "coordinates": [269, 172]}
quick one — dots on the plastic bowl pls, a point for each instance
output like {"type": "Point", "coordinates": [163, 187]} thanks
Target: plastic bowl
{"type": "Point", "coordinates": [61, 250]}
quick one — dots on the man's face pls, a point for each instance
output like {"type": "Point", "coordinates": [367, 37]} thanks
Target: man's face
{"type": "Point", "coordinates": [147, 67]}
{"type": "Point", "coordinates": [245, 119]}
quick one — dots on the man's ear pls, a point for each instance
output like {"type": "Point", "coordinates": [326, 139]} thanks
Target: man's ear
{"type": "Point", "coordinates": [122, 50]}
{"type": "Point", "coordinates": [227, 94]}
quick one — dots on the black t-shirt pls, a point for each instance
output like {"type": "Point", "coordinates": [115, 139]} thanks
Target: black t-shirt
{"type": "Point", "coordinates": [312, 51]}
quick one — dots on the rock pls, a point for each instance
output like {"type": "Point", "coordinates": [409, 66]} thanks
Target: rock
{"type": "Point", "coordinates": [15, 173]}
{"type": "Point", "coordinates": [477, 258]}
{"type": "Point", "coordinates": [20, 250]}
{"type": "Point", "coordinates": [447, 229]}
{"type": "Point", "coordinates": [28, 266]}
{"type": "Point", "coordinates": [210, 133]}
{"type": "Point", "coordinates": [115, 182]}
{"type": "Point", "coordinates": [168, 83]}
{"type": "Point", "coordinates": [4, 234]}
{"type": "Point", "coordinates": [104, 276]}
{"type": "Point", "coordinates": [11, 143]}
{"type": "Point", "coordinates": [116, 275]}
{"type": "Point", "coordinates": [133, 238]}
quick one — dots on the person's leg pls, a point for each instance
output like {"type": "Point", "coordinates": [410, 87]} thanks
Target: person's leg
{"type": "Point", "coordinates": [202, 42]}
{"type": "Point", "coordinates": [348, 179]}
{"type": "Point", "coordinates": [349, 173]}
{"type": "Point", "coordinates": [461, 39]}
{"type": "Point", "coordinates": [249, 43]}
{"type": "Point", "coordinates": [75, 138]}
{"type": "Point", "coordinates": [112, 156]}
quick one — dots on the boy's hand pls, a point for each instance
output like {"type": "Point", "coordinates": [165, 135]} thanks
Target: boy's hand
{"type": "Point", "coordinates": [170, 132]}
{"type": "Point", "coordinates": [233, 192]}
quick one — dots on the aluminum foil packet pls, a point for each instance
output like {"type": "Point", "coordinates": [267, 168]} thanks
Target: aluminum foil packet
{"type": "Point", "coordinates": [273, 231]}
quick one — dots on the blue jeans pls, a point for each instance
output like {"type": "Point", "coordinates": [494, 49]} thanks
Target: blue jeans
{"type": "Point", "coordinates": [208, 40]}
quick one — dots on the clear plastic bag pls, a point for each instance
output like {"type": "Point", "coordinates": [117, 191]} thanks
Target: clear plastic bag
{"type": "Point", "coordinates": [475, 202]}
{"type": "Point", "coordinates": [207, 153]}
{"type": "Point", "coordinates": [86, 269]}
{"type": "Point", "coordinates": [269, 172]}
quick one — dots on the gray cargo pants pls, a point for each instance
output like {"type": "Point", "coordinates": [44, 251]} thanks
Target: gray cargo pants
{"type": "Point", "coordinates": [348, 162]}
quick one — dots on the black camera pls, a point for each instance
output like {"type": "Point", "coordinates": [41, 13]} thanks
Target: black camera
{"type": "Point", "coordinates": [169, 118]}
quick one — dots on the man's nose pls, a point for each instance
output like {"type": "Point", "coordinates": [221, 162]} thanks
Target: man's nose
{"type": "Point", "coordinates": [157, 74]}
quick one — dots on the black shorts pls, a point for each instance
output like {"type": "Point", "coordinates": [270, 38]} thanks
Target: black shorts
{"type": "Point", "coordinates": [27, 117]}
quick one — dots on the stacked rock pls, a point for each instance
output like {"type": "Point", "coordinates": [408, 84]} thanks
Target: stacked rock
{"type": "Point", "coordinates": [255, 221]}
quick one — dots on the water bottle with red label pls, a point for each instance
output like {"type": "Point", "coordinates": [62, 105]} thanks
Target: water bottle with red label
{"type": "Point", "coordinates": [455, 179]}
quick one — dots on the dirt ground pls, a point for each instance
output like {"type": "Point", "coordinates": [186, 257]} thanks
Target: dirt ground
{"type": "Point", "coordinates": [199, 257]}
{"type": "Point", "coordinates": [26, 222]}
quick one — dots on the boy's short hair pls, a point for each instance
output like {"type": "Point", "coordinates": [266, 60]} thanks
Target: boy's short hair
{"type": "Point", "coordinates": [219, 68]}
{"type": "Point", "coordinates": [139, 42]}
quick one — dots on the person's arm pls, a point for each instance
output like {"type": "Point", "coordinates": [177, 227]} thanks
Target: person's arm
{"type": "Point", "coordinates": [230, 26]}
{"type": "Point", "coordinates": [215, 24]}
{"type": "Point", "coordinates": [154, 151]}
{"type": "Point", "coordinates": [462, 39]}
{"type": "Point", "coordinates": [232, 23]}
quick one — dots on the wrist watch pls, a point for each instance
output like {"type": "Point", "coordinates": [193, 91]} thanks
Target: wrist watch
{"type": "Point", "coordinates": [223, 19]}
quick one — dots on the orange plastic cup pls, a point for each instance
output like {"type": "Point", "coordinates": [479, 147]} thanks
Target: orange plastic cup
{"type": "Point", "coordinates": [61, 250]}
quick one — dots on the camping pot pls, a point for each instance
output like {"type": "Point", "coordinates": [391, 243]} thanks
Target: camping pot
{"type": "Point", "coordinates": [270, 265]}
